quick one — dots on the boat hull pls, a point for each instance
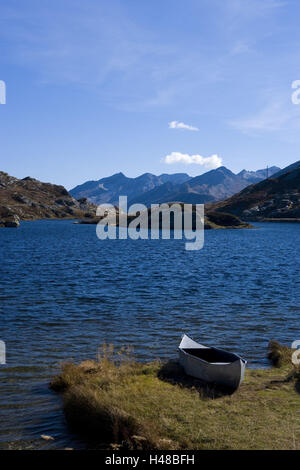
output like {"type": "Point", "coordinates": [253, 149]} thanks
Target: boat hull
{"type": "Point", "coordinates": [228, 374]}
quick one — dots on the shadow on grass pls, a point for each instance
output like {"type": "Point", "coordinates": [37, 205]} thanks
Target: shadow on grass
{"type": "Point", "coordinates": [292, 377]}
{"type": "Point", "coordinates": [173, 373]}
{"type": "Point", "coordinates": [279, 356]}
{"type": "Point", "coordinates": [295, 376]}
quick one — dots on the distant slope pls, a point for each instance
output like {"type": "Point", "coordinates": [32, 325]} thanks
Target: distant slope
{"type": "Point", "coordinates": [217, 183]}
{"type": "Point", "coordinates": [287, 169]}
{"type": "Point", "coordinates": [30, 199]}
{"type": "Point", "coordinates": [274, 198]}
{"type": "Point", "coordinates": [171, 192]}
{"type": "Point", "coordinates": [108, 190]}
{"type": "Point", "coordinates": [258, 175]}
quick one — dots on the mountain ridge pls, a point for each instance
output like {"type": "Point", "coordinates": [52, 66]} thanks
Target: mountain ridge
{"type": "Point", "coordinates": [108, 189]}
{"type": "Point", "coordinates": [148, 188]}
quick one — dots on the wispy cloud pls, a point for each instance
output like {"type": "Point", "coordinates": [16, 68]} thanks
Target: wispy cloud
{"type": "Point", "coordinates": [130, 63]}
{"type": "Point", "coordinates": [103, 47]}
{"type": "Point", "coordinates": [244, 9]}
{"type": "Point", "coordinates": [182, 125]}
{"type": "Point", "coordinates": [277, 115]}
{"type": "Point", "coordinates": [240, 47]}
{"type": "Point", "coordinates": [210, 163]}
{"type": "Point", "coordinates": [93, 45]}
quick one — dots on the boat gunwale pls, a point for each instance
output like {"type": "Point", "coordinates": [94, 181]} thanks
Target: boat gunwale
{"type": "Point", "coordinates": [223, 364]}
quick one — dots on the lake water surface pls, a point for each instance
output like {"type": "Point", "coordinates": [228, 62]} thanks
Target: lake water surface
{"type": "Point", "coordinates": [63, 293]}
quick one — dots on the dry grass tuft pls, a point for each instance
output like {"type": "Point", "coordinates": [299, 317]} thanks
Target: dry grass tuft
{"type": "Point", "coordinates": [278, 354]}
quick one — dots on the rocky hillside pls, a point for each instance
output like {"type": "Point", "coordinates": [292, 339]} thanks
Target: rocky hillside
{"type": "Point", "coordinates": [275, 198]}
{"type": "Point", "coordinates": [29, 199]}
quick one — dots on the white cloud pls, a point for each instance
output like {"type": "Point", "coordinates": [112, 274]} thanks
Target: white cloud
{"type": "Point", "coordinates": [212, 162]}
{"type": "Point", "coordinates": [181, 125]}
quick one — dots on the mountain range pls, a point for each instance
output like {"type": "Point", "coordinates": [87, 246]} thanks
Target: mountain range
{"type": "Point", "coordinates": [214, 185]}
{"type": "Point", "coordinates": [277, 197]}
{"type": "Point", "coordinates": [108, 190]}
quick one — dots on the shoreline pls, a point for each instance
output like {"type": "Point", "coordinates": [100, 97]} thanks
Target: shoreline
{"type": "Point", "coordinates": [123, 404]}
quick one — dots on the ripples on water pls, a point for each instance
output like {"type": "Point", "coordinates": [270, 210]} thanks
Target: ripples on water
{"type": "Point", "coordinates": [63, 293]}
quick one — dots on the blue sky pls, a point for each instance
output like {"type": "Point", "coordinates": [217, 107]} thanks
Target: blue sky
{"type": "Point", "coordinates": [93, 85]}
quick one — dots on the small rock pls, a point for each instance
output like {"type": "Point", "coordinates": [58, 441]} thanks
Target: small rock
{"type": "Point", "coordinates": [139, 442]}
{"type": "Point", "coordinates": [47, 438]}
{"type": "Point", "coordinates": [12, 221]}
{"type": "Point", "coordinates": [11, 224]}
{"type": "Point", "coordinates": [115, 446]}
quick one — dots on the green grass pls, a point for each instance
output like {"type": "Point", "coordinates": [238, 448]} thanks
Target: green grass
{"type": "Point", "coordinates": [155, 406]}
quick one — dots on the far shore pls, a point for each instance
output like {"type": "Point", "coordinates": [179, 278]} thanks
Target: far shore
{"type": "Point", "coordinates": [279, 220]}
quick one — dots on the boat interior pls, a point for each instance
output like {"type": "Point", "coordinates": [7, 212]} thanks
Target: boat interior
{"type": "Point", "coordinates": [211, 355]}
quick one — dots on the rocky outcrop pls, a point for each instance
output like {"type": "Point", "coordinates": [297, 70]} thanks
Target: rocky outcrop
{"type": "Point", "coordinates": [223, 220]}
{"type": "Point", "coordinates": [30, 199]}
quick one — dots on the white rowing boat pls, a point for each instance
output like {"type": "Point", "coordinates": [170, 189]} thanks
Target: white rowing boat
{"type": "Point", "coordinates": [211, 364]}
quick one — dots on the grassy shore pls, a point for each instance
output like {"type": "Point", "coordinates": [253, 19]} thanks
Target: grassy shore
{"type": "Point", "coordinates": [120, 403]}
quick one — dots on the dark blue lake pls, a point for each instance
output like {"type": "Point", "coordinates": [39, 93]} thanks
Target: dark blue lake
{"type": "Point", "coordinates": [63, 293]}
